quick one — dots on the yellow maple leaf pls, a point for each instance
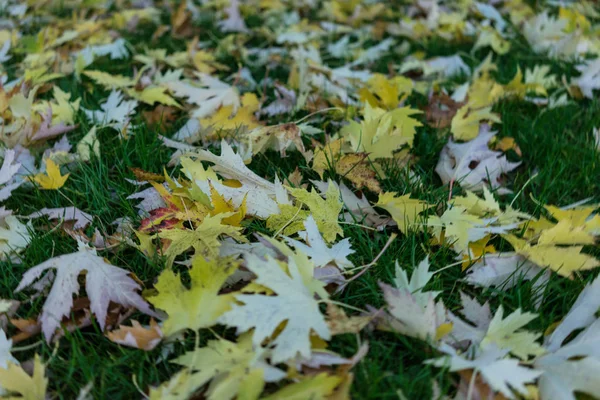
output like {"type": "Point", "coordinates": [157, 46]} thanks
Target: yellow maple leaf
{"type": "Point", "coordinates": [386, 93]}
{"type": "Point", "coordinates": [200, 305]}
{"type": "Point", "coordinates": [154, 94]}
{"type": "Point", "coordinates": [404, 210]}
{"type": "Point", "coordinates": [14, 379]}
{"type": "Point", "coordinates": [110, 81]}
{"type": "Point", "coordinates": [381, 132]}
{"type": "Point", "coordinates": [325, 212]}
{"type": "Point", "coordinates": [226, 120]}
{"type": "Point", "coordinates": [204, 239]}
{"type": "Point", "coordinates": [52, 179]}
{"type": "Point", "coordinates": [234, 369]}
{"type": "Point", "coordinates": [465, 124]}
{"type": "Point", "coordinates": [316, 387]}
{"type": "Point", "coordinates": [562, 260]}
{"type": "Point", "coordinates": [221, 205]}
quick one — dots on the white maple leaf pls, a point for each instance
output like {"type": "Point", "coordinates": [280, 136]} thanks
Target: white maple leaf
{"type": "Point", "coordinates": [116, 50]}
{"type": "Point", "coordinates": [234, 21]}
{"type": "Point", "coordinates": [473, 165]}
{"type": "Point", "coordinates": [590, 78]}
{"type": "Point", "coordinates": [317, 249]}
{"type": "Point", "coordinates": [261, 195]}
{"type": "Point", "coordinates": [7, 173]}
{"type": "Point", "coordinates": [294, 303]}
{"type": "Point", "coordinates": [104, 283]}
{"type": "Point", "coordinates": [81, 218]}
{"type": "Point", "coordinates": [478, 315]}
{"type": "Point", "coordinates": [14, 235]}
{"type": "Point", "coordinates": [209, 94]}
{"type": "Point", "coordinates": [114, 112]}
{"type": "Point", "coordinates": [502, 374]}
{"type": "Point", "coordinates": [443, 66]}
{"type": "Point", "coordinates": [507, 270]}
{"type": "Point", "coordinates": [581, 315]}
{"type": "Point", "coordinates": [285, 100]}
{"type": "Point", "coordinates": [415, 312]}
{"type": "Point", "coordinates": [572, 368]}
{"type": "Point", "coordinates": [5, 355]}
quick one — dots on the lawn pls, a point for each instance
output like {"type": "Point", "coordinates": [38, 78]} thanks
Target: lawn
{"type": "Point", "coordinates": [361, 93]}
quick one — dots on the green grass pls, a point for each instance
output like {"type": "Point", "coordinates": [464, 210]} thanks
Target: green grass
{"type": "Point", "coordinates": [559, 166]}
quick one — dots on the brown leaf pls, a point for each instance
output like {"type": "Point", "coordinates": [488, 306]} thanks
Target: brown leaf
{"type": "Point", "coordinates": [339, 323]}
{"type": "Point", "coordinates": [295, 178]}
{"type": "Point", "coordinates": [181, 22]}
{"type": "Point", "coordinates": [440, 110]}
{"type": "Point", "coordinates": [480, 390]}
{"type": "Point", "coordinates": [161, 115]}
{"type": "Point", "coordinates": [142, 175]}
{"type": "Point", "coordinates": [356, 168]}
{"type": "Point", "coordinates": [137, 335]}
{"type": "Point", "coordinates": [27, 328]}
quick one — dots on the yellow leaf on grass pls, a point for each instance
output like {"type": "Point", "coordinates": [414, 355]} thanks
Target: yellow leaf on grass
{"type": "Point", "coordinates": [315, 387]}
{"type": "Point", "coordinates": [465, 124]}
{"type": "Point", "coordinates": [200, 305]}
{"type": "Point", "coordinates": [221, 205]}
{"type": "Point", "coordinates": [204, 240]}
{"type": "Point", "coordinates": [15, 380]}
{"type": "Point", "coordinates": [562, 260]}
{"type": "Point", "coordinates": [386, 93]}
{"type": "Point", "coordinates": [233, 369]}
{"type": "Point", "coordinates": [381, 132]}
{"type": "Point", "coordinates": [403, 209]}
{"type": "Point", "coordinates": [110, 81]}
{"type": "Point", "coordinates": [154, 94]}
{"type": "Point", "coordinates": [325, 212]}
{"type": "Point", "coordinates": [52, 179]}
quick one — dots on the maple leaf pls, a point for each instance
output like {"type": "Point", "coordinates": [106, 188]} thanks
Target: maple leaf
{"type": "Point", "coordinates": [114, 112]}
{"type": "Point", "coordinates": [325, 212]}
{"type": "Point", "coordinates": [204, 239]}
{"type": "Point", "coordinates": [179, 387]}
{"type": "Point", "coordinates": [507, 270]}
{"type": "Point", "coordinates": [52, 179]}
{"type": "Point", "coordinates": [137, 336]}
{"type": "Point", "coordinates": [473, 165]}
{"type": "Point", "coordinates": [87, 145]}
{"type": "Point", "coordinates": [225, 119]}
{"type": "Point", "coordinates": [562, 260]}
{"type": "Point", "coordinates": [47, 131]}
{"type": "Point", "coordinates": [506, 333]}
{"type": "Point", "coordinates": [572, 368]}
{"type": "Point", "coordinates": [413, 310]}
{"type": "Point", "coordinates": [339, 323]}
{"type": "Point", "coordinates": [153, 94]}
{"type": "Point", "coordinates": [502, 374]}
{"type": "Point", "coordinates": [199, 306]}
{"type": "Point", "coordinates": [478, 315]}
{"type": "Point", "coordinates": [7, 174]}
{"type": "Point", "coordinates": [581, 315]}
{"type": "Point", "coordinates": [234, 369]}
{"type": "Point", "coordinates": [386, 93]}
{"type": "Point", "coordinates": [209, 94]}
{"type": "Point", "coordinates": [313, 387]}
{"type": "Point", "coordinates": [404, 210]}
{"type": "Point", "coordinates": [81, 218]}
{"type": "Point", "coordinates": [14, 235]}
{"type": "Point", "coordinates": [104, 283]}
{"type": "Point", "coordinates": [15, 380]}
{"type": "Point", "coordinates": [285, 100]}
{"type": "Point", "coordinates": [317, 249]}
{"type": "Point", "coordinates": [294, 303]}
{"type": "Point", "coordinates": [466, 122]}
{"type": "Point", "coordinates": [110, 81]}
{"type": "Point", "coordinates": [358, 209]}
{"type": "Point", "coordinates": [382, 132]}
{"type": "Point", "coordinates": [234, 21]}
